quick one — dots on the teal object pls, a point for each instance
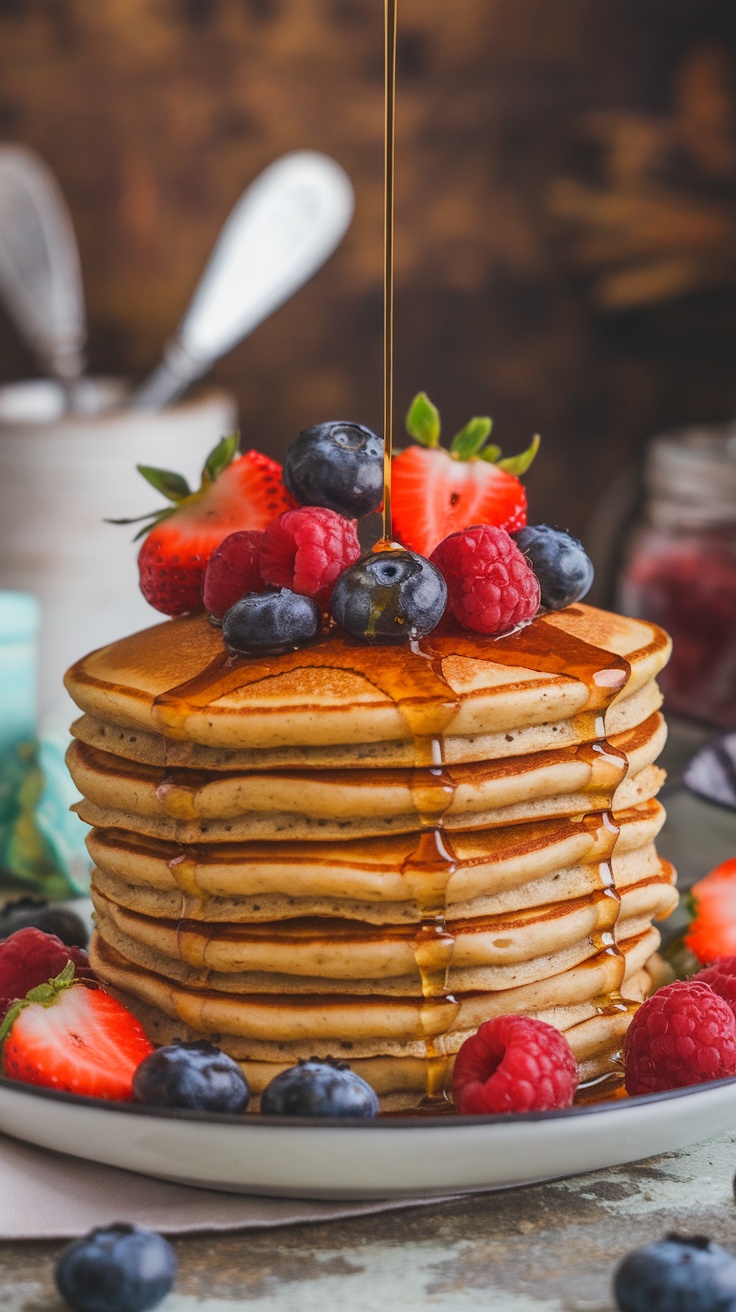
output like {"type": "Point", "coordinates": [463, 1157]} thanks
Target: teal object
{"type": "Point", "coordinates": [25, 853]}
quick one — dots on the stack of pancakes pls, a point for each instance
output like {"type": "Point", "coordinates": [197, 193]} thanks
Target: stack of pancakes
{"type": "Point", "coordinates": [364, 853]}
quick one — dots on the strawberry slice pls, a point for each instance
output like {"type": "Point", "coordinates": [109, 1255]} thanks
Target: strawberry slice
{"type": "Point", "coordinates": [712, 932]}
{"type": "Point", "coordinates": [436, 492]}
{"type": "Point", "coordinates": [72, 1036]}
{"type": "Point", "coordinates": [237, 492]}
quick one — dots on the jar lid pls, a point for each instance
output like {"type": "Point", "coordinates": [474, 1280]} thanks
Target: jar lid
{"type": "Point", "coordinates": [20, 616]}
{"type": "Point", "coordinates": [692, 475]}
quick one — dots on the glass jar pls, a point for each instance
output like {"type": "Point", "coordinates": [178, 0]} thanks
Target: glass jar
{"type": "Point", "coordinates": [680, 568]}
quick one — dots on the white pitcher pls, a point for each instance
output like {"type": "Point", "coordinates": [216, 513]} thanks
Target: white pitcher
{"type": "Point", "coordinates": [61, 476]}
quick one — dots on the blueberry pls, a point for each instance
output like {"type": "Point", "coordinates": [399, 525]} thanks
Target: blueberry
{"type": "Point", "coordinates": [677, 1274]}
{"type": "Point", "coordinates": [319, 1088]}
{"type": "Point", "coordinates": [27, 913]}
{"type": "Point", "coordinates": [389, 596]}
{"type": "Point", "coordinates": [271, 621]}
{"type": "Point", "coordinates": [337, 465]}
{"type": "Point", "coordinates": [195, 1076]}
{"type": "Point", "coordinates": [564, 571]}
{"type": "Point", "coordinates": [116, 1269]}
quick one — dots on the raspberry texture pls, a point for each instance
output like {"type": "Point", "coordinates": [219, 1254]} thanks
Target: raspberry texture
{"type": "Point", "coordinates": [306, 550]}
{"type": "Point", "coordinates": [232, 571]}
{"type": "Point", "coordinates": [490, 583]}
{"type": "Point", "coordinates": [684, 1034]}
{"type": "Point", "coordinates": [29, 957]}
{"type": "Point", "coordinates": [722, 979]}
{"type": "Point", "coordinates": [514, 1064]}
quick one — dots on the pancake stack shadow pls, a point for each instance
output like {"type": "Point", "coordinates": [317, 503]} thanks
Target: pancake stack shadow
{"type": "Point", "coordinates": [364, 853]}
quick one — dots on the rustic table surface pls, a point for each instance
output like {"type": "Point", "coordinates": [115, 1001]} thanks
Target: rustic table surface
{"type": "Point", "coordinates": [546, 1248]}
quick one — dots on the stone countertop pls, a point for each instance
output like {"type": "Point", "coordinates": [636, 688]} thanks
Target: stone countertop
{"type": "Point", "coordinates": [544, 1248]}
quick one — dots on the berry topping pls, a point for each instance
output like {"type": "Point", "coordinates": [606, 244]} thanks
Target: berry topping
{"type": "Point", "coordinates": [490, 585]}
{"type": "Point", "coordinates": [514, 1064]}
{"type": "Point", "coordinates": [116, 1269]}
{"type": "Point", "coordinates": [236, 492]}
{"type": "Point", "coordinates": [677, 1274]}
{"type": "Point", "coordinates": [564, 571]}
{"type": "Point", "coordinates": [389, 597]}
{"type": "Point", "coordinates": [67, 1035]}
{"type": "Point", "coordinates": [319, 1088]}
{"type": "Point", "coordinates": [232, 570]}
{"type": "Point", "coordinates": [712, 932]}
{"type": "Point", "coordinates": [274, 621]}
{"type": "Point", "coordinates": [30, 957]}
{"type": "Point", "coordinates": [436, 492]}
{"type": "Point", "coordinates": [307, 549]}
{"type": "Point", "coordinates": [196, 1076]}
{"type": "Point", "coordinates": [28, 913]}
{"type": "Point", "coordinates": [684, 1034]}
{"type": "Point", "coordinates": [337, 465]}
{"type": "Point", "coordinates": [722, 979]}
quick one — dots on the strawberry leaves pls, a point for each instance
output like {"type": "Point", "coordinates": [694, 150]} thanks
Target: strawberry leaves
{"type": "Point", "coordinates": [175, 487]}
{"type": "Point", "coordinates": [45, 994]}
{"type": "Point", "coordinates": [424, 425]}
{"type": "Point", "coordinates": [423, 421]}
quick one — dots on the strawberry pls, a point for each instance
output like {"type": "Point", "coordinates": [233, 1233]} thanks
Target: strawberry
{"type": "Point", "coordinates": [72, 1036]}
{"type": "Point", "coordinates": [436, 492]}
{"type": "Point", "coordinates": [236, 492]}
{"type": "Point", "coordinates": [712, 932]}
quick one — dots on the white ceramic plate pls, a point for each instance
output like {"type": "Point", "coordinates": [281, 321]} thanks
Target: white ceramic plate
{"type": "Point", "coordinates": [387, 1158]}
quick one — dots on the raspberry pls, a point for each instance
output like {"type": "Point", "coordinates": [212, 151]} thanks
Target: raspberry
{"type": "Point", "coordinates": [29, 957]}
{"type": "Point", "coordinates": [722, 979]}
{"type": "Point", "coordinates": [490, 583]}
{"type": "Point", "coordinates": [683, 1035]}
{"type": "Point", "coordinates": [307, 549]}
{"type": "Point", "coordinates": [232, 571]}
{"type": "Point", "coordinates": [514, 1064]}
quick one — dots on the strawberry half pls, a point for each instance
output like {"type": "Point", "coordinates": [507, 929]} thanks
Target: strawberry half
{"type": "Point", "coordinates": [236, 492]}
{"type": "Point", "coordinates": [712, 932]}
{"type": "Point", "coordinates": [436, 492]}
{"type": "Point", "coordinates": [68, 1035]}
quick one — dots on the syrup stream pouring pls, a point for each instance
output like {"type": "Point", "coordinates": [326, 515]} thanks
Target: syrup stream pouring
{"type": "Point", "coordinates": [40, 273]}
{"type": "Point", "coordinates": [282, 230]}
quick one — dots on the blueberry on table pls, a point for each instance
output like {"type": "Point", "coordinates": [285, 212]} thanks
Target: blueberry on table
{"type": "Point", "coordinates": [389, 597]}
{"type": "Point", "coordinates": [677, 1274]}
{"type": "Point", "coordinates": [119, 1268]}
{"type": "Point", "coordinates": [319, 1088]}
{"type": "Point", "coordinates": [337, 465]}
{"type": "Point", "coordinates": [194, 1076]}
{"type": "Point", "coordinates": [272, 621]}
{"type": "Point", "coordinates": [559, 561]}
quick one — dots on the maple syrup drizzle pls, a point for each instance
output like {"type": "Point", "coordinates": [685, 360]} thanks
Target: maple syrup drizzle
{"type": "Point", "coordinates": [389, 175]}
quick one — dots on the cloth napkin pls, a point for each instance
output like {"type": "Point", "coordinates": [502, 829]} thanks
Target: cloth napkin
{"type": "Point", "coordinates": [47, 1195]}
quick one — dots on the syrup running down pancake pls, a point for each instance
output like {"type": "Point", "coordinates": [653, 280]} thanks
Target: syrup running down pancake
{"type": "Point", "coordinates": [365, 852]}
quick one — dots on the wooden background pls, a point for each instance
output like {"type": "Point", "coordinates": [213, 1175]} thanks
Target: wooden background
{"type": "Point", "coordinates": [566, 204]}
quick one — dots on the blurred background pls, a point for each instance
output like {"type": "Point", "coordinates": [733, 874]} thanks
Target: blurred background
{"type": "Point", "coordinates": [566, 205]}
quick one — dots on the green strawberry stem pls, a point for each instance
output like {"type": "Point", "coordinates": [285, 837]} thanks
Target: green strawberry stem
{"type": "Point", "coordinates": [175, 487]}
{"type": "Point", "coordinates": [424, 425]}
{"type": "Point", "coordinates": [46, 994]}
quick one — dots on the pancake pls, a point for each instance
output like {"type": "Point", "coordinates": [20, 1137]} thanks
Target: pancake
{"type": "Point", "coordinates": [176, 679]}
{"type": "Point", "coordinates": [155, 749]}
{"type": "Point", "coordinates": [360, 878]}
{"type": "Point", "coordinates": [338, 950]}
{"type": "Point", "coordinates": [365, 852]}
{"type": "Point", "coordinates": [282, 1026]}
{"type": "Point", "coordinates": [190, 808]}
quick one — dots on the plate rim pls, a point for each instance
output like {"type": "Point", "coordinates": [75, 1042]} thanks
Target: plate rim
{"type": "Point", "coordinates": [388, 1121]}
